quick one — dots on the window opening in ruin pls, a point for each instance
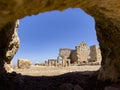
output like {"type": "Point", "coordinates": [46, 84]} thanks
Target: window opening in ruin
{"type": "Point", "coordinates": [42, 37]}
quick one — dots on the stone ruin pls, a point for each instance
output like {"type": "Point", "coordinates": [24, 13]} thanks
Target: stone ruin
{"type": "Point", "coordinates": [82, 54]}
{"type": "Point", "coordinates": [62, 60]}
{"type": "Point", "coordinates": [51, 62]}
{"type": "Point", "coordinates": [23, 63]}
{"type": "Point", "coordinates": [95, 54]}
{"type": "Point", "coordinates": [65, 54]}
{"type": "Point", "coordinates": [57, 62]}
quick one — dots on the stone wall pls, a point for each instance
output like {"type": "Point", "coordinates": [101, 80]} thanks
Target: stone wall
{"type": "Point", "coordinates": [23, 63]}
{"type": "Point", "coordinates": [95, 54]}
{"type": "Point", "coordinates": [52, 62]}
{"type": "Point", "coordinates": [9, 44]}
{"type": "Point", "coordinates": [65, 62]}
{"type": "Point", "coordinates": [65, 53]}
{"type": "Point", "coordinates": [73, 56]}
{"type": "Point", "coordinates": [82, 52]}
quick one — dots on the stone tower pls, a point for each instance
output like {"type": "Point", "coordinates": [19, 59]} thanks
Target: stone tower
{"type": "Point", "coordinates": [95, 54]}
{"type": "Point", "coordinates": [82, 52]}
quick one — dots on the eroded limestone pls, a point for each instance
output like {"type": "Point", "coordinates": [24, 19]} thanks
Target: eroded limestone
{"type": "Point", "coordinates": [9, 44]}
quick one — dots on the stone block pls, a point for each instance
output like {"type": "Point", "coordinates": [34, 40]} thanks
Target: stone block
{"type": "Point", "coordinates": [23, 63]}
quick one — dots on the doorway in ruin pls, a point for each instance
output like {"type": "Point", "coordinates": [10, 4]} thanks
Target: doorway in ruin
{"type": "Point", "coordinates": [43, 35]}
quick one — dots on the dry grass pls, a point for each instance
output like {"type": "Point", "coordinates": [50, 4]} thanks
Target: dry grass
{"type": "Point", "coordinates": [53, 71]}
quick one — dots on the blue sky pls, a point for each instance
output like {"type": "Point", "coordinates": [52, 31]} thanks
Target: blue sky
{"type": "Point", "coordinates": [42, 35]}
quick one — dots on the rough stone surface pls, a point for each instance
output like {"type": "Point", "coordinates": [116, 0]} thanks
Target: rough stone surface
{"type": "Point", "coordinates": [23, 63]}
{"type": "Point", "coordinates": [73, 56]}
{"type": "Point", "coordinates": [82, 52]}
{"type": "Point", "coordinates": [95, 54]}
{"type": "Point", "coordinates": [51, 62]}
{"type": "Point", "coordinates": [65, 62]}
{"type": "Point", "coordinates": [8, 67]}
{"type": "Point", "coordinates": [105, 12]}
{"type": "Point", "coordinates": [112, 88]}
{"type": "Point", "coordinates": [66, 86]}
{"type": "Point", "coordinates": [77, 87]}
{"type": "Point", "coordinates": [9, 44]}
{"type": "Point", "coordinates": [65, 53]}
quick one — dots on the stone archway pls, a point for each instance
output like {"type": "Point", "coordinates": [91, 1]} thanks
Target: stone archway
{"type": "Point", "coordinates": [107, 18]}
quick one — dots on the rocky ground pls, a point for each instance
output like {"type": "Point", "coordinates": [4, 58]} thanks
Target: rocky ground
{"type": "Point", "coordinates": [51, 78]}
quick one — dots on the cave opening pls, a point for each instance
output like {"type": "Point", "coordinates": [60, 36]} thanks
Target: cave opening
{"type": "Point", "coordinates": [54, 29]}
{"type": "Point", "coordinates": [43, 35]}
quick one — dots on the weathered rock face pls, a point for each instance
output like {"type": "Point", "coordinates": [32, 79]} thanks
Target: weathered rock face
{"type": "Point", "coordinates": [108, 33]}
{"type": "Point", "coordinates": [107, 18]}
{"type": "Point", "coordinates": [9, 43]}
{"type": "Point", "coordinates": [66, 86]}
{"type": "Point", "coordinates": [112, 88]}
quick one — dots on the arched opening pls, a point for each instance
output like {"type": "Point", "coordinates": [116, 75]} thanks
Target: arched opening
{"type": "Point", "coordinates": [42, 36]}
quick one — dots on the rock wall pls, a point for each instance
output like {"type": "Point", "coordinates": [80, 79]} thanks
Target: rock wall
{"type": "Point", "coordinates": [107, 18]}
{"type": "Point", "coordinates": [9, 44]}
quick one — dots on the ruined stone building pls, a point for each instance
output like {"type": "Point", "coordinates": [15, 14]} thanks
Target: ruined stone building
{"type": "Point", "coordinates": [64, 53]}
{"type": "Point", "coordinates": [81, 54]}
{"type": "Point", "coordinates": [95, 54]}
{"type": "Point", "coordinates": [23, 63]}
{"type": "Point", "coordinates": [62, 60]}
{"type": "Point", "coordinates": [73, 56]}
{"type": "Point", "coordinates": [52, 62]}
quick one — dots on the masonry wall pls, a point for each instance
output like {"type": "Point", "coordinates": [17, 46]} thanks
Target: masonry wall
{"type": "Point", "coordinates": [95, 54]}
{"type": "Point", "coordinates": [82, 52]}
